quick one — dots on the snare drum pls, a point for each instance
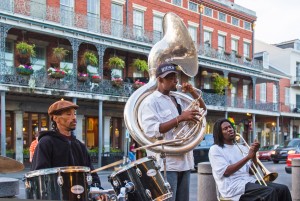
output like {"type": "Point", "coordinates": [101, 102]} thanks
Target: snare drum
{"type": "Point", "coordinates": [61, 183]}
{"type": "Point", "coordinates": [145, 175]}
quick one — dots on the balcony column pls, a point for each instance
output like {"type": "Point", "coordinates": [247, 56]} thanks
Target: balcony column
{"type": "Point", "coordinates": [79, 131]}
{"type": "Point", "coordinates": [101, 50]}
{"type": "Point", "coordinates": [3, 34]}
{"type": "Point", "coordinates": [225, 73]}
{"type": "Point", "coordinates": [277, 130]}
{"type": "Point", "coordinates": [100, 132]}
{"type": "Point", "coordinates": [75, 47]}
{"type": "Point", "coordinates": [19, 135]}
{"type": "Point", "coordinates": [106, 133]}
{"type": "Point", "coordinates": [254, 135]}
{"type": "Point", "coordinates": [3, 124]}
{"type": "Point", "coordinates": [254, 91]}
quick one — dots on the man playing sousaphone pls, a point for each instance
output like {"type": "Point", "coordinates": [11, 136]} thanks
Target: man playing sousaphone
{"type": "Point", "coordinates": [160, 114]}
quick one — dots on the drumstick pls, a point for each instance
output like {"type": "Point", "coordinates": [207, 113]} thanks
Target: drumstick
{"type": "Point", "coordinates": [108, 166]}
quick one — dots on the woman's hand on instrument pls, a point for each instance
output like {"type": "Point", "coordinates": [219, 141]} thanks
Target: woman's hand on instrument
{"type": "Point", "coordinates": [187, 87]}
{"type": "Point", "coordinates": [190, 115]}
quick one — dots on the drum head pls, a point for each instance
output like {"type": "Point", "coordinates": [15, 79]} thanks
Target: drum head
{"type": "Point", "coordinates": [56, 170]}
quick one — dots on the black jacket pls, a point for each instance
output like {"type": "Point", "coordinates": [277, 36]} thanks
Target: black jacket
{"type": "Point", "coordinates": [56, 150]}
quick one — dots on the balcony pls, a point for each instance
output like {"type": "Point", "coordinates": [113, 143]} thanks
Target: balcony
{"type": "Point", "coordinates": [30, 10]}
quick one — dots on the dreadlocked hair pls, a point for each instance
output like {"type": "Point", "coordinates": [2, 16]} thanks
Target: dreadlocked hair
{"type": "Point", "coordinates": [217, 134]}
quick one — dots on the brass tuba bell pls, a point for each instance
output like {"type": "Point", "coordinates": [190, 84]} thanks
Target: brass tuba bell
{"type": "Point", "coordinates": [175, 47]}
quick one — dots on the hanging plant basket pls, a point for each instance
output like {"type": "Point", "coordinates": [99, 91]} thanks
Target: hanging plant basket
{"type": "Point", "coordinates": [140, 65]}
{"type": "Point", "coordinates": [95, 79]}
{"type": "Point", "coordinates": [60, 53]}
{"type": "Point", "coordinates": [56, 73]}
{"type": "Point", "coordinates": [25, 50]}
{"type": "Point", "coordinates": [204, 73]}
{"type": "Point", "coordinates": [116, 62]}
{"type": "Point", "coordinates": [82, 77]}
{"type": "Point", "coordinates": [90, 58]}
{"type": "Point", "coordinates": [24, 70]}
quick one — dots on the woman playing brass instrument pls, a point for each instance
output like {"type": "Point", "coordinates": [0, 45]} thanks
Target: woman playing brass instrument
{"type": "Point", "coordinates": [231, 168]}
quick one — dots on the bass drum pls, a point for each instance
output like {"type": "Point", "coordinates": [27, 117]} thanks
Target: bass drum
{"type": "Point", "coordinates": [61, 183]}
{"type": "Point", "coordinates": [145, 175]}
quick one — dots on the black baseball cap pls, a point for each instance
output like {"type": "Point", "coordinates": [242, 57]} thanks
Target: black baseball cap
{"type": "Point", "coordinates": [165, 69]}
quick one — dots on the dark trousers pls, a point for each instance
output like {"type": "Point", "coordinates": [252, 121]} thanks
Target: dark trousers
{"type": "Point", "coordinates": [271, 192]}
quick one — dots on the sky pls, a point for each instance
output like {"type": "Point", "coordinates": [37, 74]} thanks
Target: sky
{"type": "Point", "coordinates": [277, 20]}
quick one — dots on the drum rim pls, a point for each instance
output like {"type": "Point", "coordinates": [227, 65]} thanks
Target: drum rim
{"type": "Point", "coordinates": [47, 171]}
{"type": "Point", "coordinates": [130, 165]}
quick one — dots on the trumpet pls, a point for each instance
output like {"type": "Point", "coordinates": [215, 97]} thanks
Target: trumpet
{"type": "Point", "coordinates": [267, 175]}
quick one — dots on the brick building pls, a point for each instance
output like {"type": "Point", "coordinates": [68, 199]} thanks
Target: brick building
{"type": "Point", "coordinates": [222, 31]}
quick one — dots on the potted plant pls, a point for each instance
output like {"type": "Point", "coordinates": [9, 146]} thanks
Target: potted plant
{"type": "Point", "coordinates": [25, 50]}
{"type": "Point", "coordinates": [57, 73]}
{"type": "Point", "coordinates": [82, 77]}
{"type": "Point", "coordinates": [60, 53]}
{"type": "Point", "coordinates": [137, 84]}
{"type": "Point", "coordinates": [140, 64]}
{"type": "Point", "coordinates": [90, 58]}
{"type": "Point", "coordinates": [117, 82]}
{"type": "Point", "coordinates": [25, 69]}
{"type": "Point", "coordinates": [96, 78]}
{"type": "Point", "coordinates": [204, 73]}
{"type": "Point", "coordinates": [116, 62]}
{"type": "Point", "coordinates": [220, 83]}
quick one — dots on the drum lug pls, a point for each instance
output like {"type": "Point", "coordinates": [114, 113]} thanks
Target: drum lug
{"type": "Point", "coordinates": [27, 185]}
{"type": "Point", "coordinates": [148, 193]}
{"type": "Point", "coordinates": [89, 179]}
{"type": "Point", "coordinates": [116, 183]}
{"type": "Point", "coordinates": [167, 185]}
{"type": "Point", "coordinates": [60, 180]}
{"type": "Point", "coordinates": [139, 172]}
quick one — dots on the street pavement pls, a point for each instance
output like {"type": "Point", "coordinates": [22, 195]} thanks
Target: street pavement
{"type": "Point", "coordinates": [283, 178]}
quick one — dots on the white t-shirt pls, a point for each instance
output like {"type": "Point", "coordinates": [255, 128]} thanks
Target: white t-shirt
{"type": "Point", "coordinates": [220, 158]}
{"type": "Point", "coordinates": [156, 109]}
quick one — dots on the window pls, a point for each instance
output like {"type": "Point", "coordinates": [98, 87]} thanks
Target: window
{"type": "Point", "coordinates": [193, 33]}
{"type": "Point", "coordinates": [117, 19]}
{"type": "Point", "coordinates": [222, 17]}
{"type": "Point", "coordinates": [207, 38]}
{"type": "Point", "coordinates": [247, 25]}
{"type": "Point", "coordinates": [221, 42]}
{"type": "Point", "coordinates": [245, 93]}
{"type": "Point", "coordinates": [138, 24]}
{"type": "Point", "coordinates": [287, 96]}
{"type": "Point", "coordinates": [234, 45]}
{"type": "Point", "coordinates": [177, 2]}
{"type": "Point", "coordinates": [235, 21]}
{"type": "Point", "coordinates": [274, 94]}
{"type": "Point", "coordinates": [263, 92]}
{"type": "Point", "coordinates": [67, 63]}
{"type": "Point", "coordinates": [298, 71]}
{"type": "Point", "coordinates": [157, 28]}
{"type": "Point", "coordinates": [40, 58]}
{"type": "Point", "coordinates": [66, 12]}
{"type": "Point", "coordinates": [246, 50]}
{"type": "Point", "coordinates": [38, 9]}
{"type": "Point", "coordinates": [6, 5]}
{"type": "Point", "coordinates": [193, 6]}
{"type": "Point", "coordinates": [297, 101]}
{"type": "Point", "coordinates": [9, 53]}
{"type": "Point", "coordinates": [93, 15]}
{"type": "Point", "coordinates": [207, 83]}
{"type": "Point", "coordinates": [234, 94]}
{"type": "Point", "coordinates": [208, 11]}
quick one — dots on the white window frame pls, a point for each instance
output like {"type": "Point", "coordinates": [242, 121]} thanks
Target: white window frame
{"type": "Point", "coordinates": [263, 92]}
{"type": "Point", "coordinates": [208, 11]}
{"type": "Point", "coordinates": [157, 28]}
{"type": "Point", "coordinates": [287, 96]}
{"type": "Point", "coordinates": [9, 55]}
{"type": "Point", "coordinates": [66, 12]}
{"type": "Point", "coordinates": [221, 44]}
{"type": "Point", "coordinates": [117, 19]}
{"type": "Point", "coordinates": [192, 6]}
{"type": "Point", "coordinates": [247, 25]}
{"type": "Point", "coordinates": [235, 19]}
{"type": "Point", "coordinates": [138, 24]}
{"type": "Point", "coordinates": [234, 45]}
{"type": "Point", "coordinates": [275, 98]}
{"type": "Point", "coordinates": [220, 17]}
{"type": "Point", "coordinates": [177, 2]}
{"type": "Point", "coordinates": [246, 49]}
{"type": "Point", "coordinates": [207, 37]}
{"type": "Point", "coordinates": [93, 15]}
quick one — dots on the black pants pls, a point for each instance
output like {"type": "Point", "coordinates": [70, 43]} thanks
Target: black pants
{"type": "Point", "coordinates": [271, 192]}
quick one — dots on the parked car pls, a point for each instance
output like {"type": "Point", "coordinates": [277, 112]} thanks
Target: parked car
{"type": "Point", "coordinates": [282, 152]}
{"type": "Point", "coordinates": [201, 151]}
{"type": "Point", "coordinates": [288, 167]}
{"type": "Point", "coordinates": [264, 153]}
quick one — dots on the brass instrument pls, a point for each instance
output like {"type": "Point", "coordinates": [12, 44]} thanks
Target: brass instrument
{"type": "Point", "coordinates": [175, 47]}
{"type": "Point", "coordinates": [267, 175]}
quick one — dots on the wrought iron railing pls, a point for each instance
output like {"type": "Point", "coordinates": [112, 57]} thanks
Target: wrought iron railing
{"type": "Point", "coordinates": [93, 23]}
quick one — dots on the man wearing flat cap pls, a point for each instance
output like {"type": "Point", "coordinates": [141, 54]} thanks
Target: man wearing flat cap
{"type": "Point", "coordinates": [59, 146]}
{"type": "Point", "coordinates": [160, 114]}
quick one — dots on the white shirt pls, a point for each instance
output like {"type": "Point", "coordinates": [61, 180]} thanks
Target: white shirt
{"type": "Point", "coordinates": [156, 109]}
{"type": "Point", "coordinates": [220, 158]}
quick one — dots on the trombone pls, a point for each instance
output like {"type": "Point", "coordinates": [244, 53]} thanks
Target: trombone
{"type": "Point", "coordinates": [267, 175]}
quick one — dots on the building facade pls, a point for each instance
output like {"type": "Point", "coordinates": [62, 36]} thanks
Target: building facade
{"type": "Point", "coordinates": [222, 31]}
